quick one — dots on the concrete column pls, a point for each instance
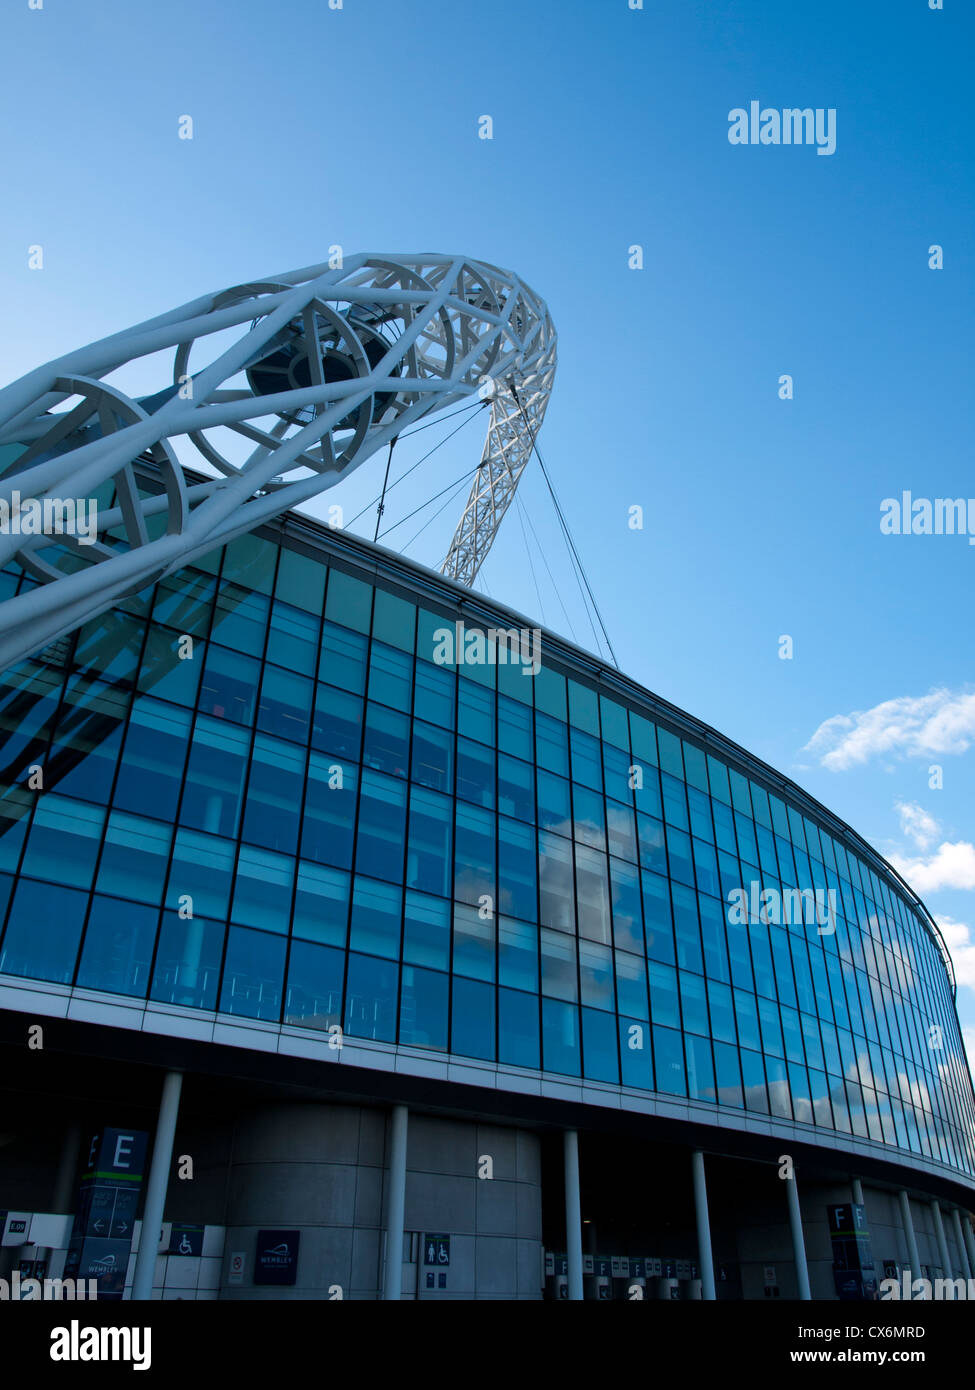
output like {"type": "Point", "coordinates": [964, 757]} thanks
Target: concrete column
{"type": "Point", "coordinates": [798, 1241]}
{"type": "Point", "coordinates": [573, 1214]}
{"type": "Point", "coordinates": [62, 1196]}
{"type": "Point", "coordinates": [857, 1187]}
{"type": "Point", "coordinates": [966, 1265]}
{"type": "Point", "coordinates": [396, 1204]}
{"type": "Point", "coordinates": [705, 1259]}
{"type": "Point", "coordinates": [966, 1227]}
{"type": "Point", "coordinates": [939, 1235]}
{"type": "Point", "coordinates": [915, 1261]}
{"type": "Point", "coordinates": [162, 1160]}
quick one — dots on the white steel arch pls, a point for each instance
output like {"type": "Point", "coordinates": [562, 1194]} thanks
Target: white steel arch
{"type": "Point", "coordinates": [325, 366]}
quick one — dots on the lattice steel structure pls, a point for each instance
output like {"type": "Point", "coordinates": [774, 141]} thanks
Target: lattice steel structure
{"type": "Point", "coordinates": [336, 360]}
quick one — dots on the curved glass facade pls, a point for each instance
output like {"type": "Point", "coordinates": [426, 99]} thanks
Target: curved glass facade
{"type": "Point", "coordinates": [267, 788]}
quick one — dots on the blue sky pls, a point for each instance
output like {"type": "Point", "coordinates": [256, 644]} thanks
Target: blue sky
{"type": "Point", "coordinates": [358, 126]}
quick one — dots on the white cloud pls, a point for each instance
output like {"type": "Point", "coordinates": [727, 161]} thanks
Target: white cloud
{"type": "Point", "coordinates": [915, 822]}
{"type": "Point", "coordinates": [940, 722]}
{"type": "Point", "coordinates": [961, 945]}
{"type": "Point", "coordinates": [951, 866]}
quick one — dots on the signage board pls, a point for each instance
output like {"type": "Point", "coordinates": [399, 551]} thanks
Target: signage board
{"type": "Point", "coordinates": [436, 1250]}
{"type": "Point", "coordinates": [276, 1257]}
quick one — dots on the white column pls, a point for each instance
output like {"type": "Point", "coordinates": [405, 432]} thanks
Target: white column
{"type": "Point", "coordinates": [573, 1214]}
{"type": "Point", "coordinates": [857, 1186]}
{"type": "Point", "coordinates": [396, 1204]}
{"type": "Point", "coordinates": [939, 1235]}
{"type": "Point", "coordinates": [915, 1262]}
{"type": "Point", "coordinates": [705, 1259]}
{"type": "Point", "coordinates": [966, 1226]}
{"type": "Point", "coordinates": [966, 1265]}
{"type": "Point", "coordinates": [798, 1241]}
{"type": "Point", "coordinates": [162, 1161]}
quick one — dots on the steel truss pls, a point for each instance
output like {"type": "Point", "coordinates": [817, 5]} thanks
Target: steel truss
{"type": "Point", "coordinates": [333, 362]}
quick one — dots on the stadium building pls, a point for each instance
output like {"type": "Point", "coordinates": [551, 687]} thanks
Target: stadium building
{"type": "Point", "coordinates": [360, 940]}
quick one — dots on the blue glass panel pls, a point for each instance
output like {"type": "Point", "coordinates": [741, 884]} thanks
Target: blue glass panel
{"type": "Point", "coordinates": [188, 962]}
{"type": "Point", "coordinates": [111, 645]}
{"type": "Point", "coordinates": [589, 817]}
{"type": "Point", "coordinates": [183, 601]}
{"type": "Point", "coordinates": [551, 744]}
{"type": "Point", "coordinates": [240, 619]}
{"type": "Point", "coordinates": [118, 946]}
{"type": "Point", "coordinates": [292, 642]}
{"type": "Point", "coordinates": [348, 601]}
{"type": "Point", "coordinates": [426, 931]}
{"type": "Point", "coordinates": [583, 707]}
{"type": "Point", "coordinates": [622, 831]}
{"type": "Point", "coordinates": [635, 1053]}
{"type": "Point", "coordinates": [653, 852]}
{"type": "Point", "coordinates": [475, 712]}
{"type": "Point", "coordinates": [753, 1077]}
{"type": "Point", "coordinates": [429, 858]}
{"type": "Point", "coordinates": [382, 827]}
{"type": "Point", "coordinates": [554, 805]}
{"type": "Point", "coordinates": [516, 788]}
{"type": "Point", "coordinates": [679, 852]}
{"type": "Point", "coordinates": [300, 581]}
{"type": "Point", "coordinates": [329, 818]}
{"type": "Point", "coordinates": [43, 932]}
{"type": "Point", "coordinates": [376, 918]}
{"type": "Point", "coordinates": [423, 1008]}
{"type": "Point", "coordinates": [592, 892]}
{"type": "Point", "coordinates": [631, 985]}
{"type": "Point", "coordinates": [693, 1003]}
{"type": "Point", "coordinates": [314, 995]}
{"type": "Point", "coordinates": [599, 1048]}
{"type": "Point", "coordinates": [229, 689]}
{"type": "Point", "coordinates": [713, 939]}
{"type": "Point", "coordinates": [201, 872]}
{"type": "Point", "coordinates": [262, 889]}
{"type": "Point", "coordinates": [273, 808]}
{"type": "Point", "coordinates": [627, 911]}
{"type": "Point", "coordinates": [337, 722]}
{"type": "Point", "coordinates": [596, 976]}
{"type": "Point", "coordinates": [393, 620]}
{"type": "Point", "coordinates": [87, 741]}
{"type": "Point", "coordinates": [668, 1056]}
{"type": "Point", "coordinates": [63, 842]}
{"type": "Point", "coordinates": [285, 704]}
{"type": "Point", "coordinates": [560, 1037]}
{"type": "Point", "coordinates": [135, 858]}
{"type": "Point", "coordinates": [728, 1075]}
{"type": "Point", "coordinates": [370, 999]}
{"type": "Point", "coordinates": [343, 660]}
{"type": "Point", "coordinates": [150, 773]}
{"type": "Point", "coordinates": [475, 773]}
{"type": "Point", "coordinates": [386, 744]}
{"type": "Point", "coordinates": [664, 998]}
{"type": "Point", "coordinates": [390, 677]}
{"type": "Point", "coordinates": [215, 777]}
{"type": "Point", "coordinates": [724, 827]}
{"type": "Point", "coordinates": [700, 1069]}
{"type": "Point", "coordinates": [646, 791]}
{"type": "Point", "coordinates": [171, 669]}
{"type": "Point", "coordinates": [518, 954]}
{"type": "Point", "coordinates": [472, 1019]}
{"type": "Point", "coordinates": [686, 929]}
{"type": "Point", "coordinates": [433, 757]}
{"type": "Point", "coordinates": [587, 763]}
{"type": "Point", "coordinates": [657, 918]}
{"type": "Point", "coordinates": [517, 885]}
{"type": "Point", "coordinates": [252, 974]}
{"type": "Point", "coordinates": [474, 854]}
{"type": "Point", "coordinates": [515, 728]}
{"type": "Point", "coordinates": [435, 695]}
{"type": "Point", "coordinates": [518, 1039]}
{"type": "Point", "coordinates": [321, 904]}
{"type": "Point", "coordinates": [722, 1012]}
{"type": "Point", "coordinates": [474, 943]}
{"type": "Point", "coordinates": [559, 969]}
{"type": "Point", "coordinates": [706, 868]}
{"type": "Point", "coordinates": [746, 1014]}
